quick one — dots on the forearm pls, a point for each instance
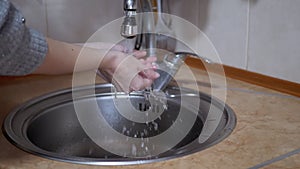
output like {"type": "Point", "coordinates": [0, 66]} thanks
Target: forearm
{"type": "Point", "coordinates": [61, 58]}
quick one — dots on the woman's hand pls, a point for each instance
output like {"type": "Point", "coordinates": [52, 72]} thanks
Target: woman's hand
{"type": "Point", "coordinates": [127, 72]}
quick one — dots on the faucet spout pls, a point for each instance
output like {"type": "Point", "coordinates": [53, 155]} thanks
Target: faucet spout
{"type": "Point", "coordinates": [146, 24]}
{"type": "Point", "coordinates": [129, 26]}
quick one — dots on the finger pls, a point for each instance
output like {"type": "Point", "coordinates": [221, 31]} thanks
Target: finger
{"type": "Point", "coordinates": [146, 64]}
{"type": "Point", "coordinates": [151, 62]}
{"type": "Point", "coordinates": [139, 83]}
{"type": "Point", "coordinates": [149, 74]}
{"type": "Point", "coordinates": [147, 83]}
{"type": "Point", "coordinates": [147, 70]}
{"type": "Point", "coordinates": [151, 59]}
{"type": "Point", "coordinates": [139, 54]}
{"type": "Point", "coordinates": [135, 84]}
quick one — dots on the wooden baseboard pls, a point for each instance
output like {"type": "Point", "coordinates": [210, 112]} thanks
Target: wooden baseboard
{"type": "Point", "coordinates": [253, 78]}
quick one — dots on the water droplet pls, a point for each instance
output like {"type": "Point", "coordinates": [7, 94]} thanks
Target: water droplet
{"type": "Point", "coordinates": [142, 144]}
{"type": "Point", "coordinates": [155, 125]}
{"type": "Point", "coordinates": [165, 106]}
{"type": "Point", "coordinates": [146, 132]}
{"type": "Point", "coordinates": [124, 129]}
{"type": "Point", "coordinates": [133, 150]}
{"type": "Point", "coordinates": [90, 151]}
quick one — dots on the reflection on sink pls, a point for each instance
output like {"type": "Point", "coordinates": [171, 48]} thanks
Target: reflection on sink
{"type": "Point", "coordinates": [49, 127]}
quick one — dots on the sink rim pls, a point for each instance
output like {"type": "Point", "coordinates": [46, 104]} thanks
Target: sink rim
{"type": "Point", "coordinates": [29, 147]}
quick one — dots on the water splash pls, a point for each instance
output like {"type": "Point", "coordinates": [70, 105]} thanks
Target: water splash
{"type": "Point", "coordinates": [133, 150]}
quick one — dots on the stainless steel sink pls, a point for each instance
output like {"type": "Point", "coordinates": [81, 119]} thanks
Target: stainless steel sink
{"type": "Point", "coordinates": [49, 126]}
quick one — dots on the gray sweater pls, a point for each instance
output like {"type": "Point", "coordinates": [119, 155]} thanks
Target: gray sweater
{"type": "Point", "coordinates": [22, 49]}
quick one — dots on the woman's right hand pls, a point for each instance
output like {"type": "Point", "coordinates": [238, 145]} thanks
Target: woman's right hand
{"type": "Point", "coordinates": [128, 72]}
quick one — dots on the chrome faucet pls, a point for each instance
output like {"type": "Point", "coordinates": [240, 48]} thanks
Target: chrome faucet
{"type": "Point", "coordinates": [145, 27]}
{"type": "Point", "coordinates": [140, 23]}
{"type": "Point", "coordinates": [129, 26]}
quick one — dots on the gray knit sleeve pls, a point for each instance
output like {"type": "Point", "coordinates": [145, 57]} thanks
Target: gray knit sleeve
{"type": "Point", "coordinates": [22, 49]}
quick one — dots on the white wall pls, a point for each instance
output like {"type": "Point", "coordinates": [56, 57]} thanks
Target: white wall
{"type": "Point", "coordinates": [257, 35]}
{"type": "Point", "coordinates": [274, 38]}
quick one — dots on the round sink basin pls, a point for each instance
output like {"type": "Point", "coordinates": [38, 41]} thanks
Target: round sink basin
{"type": "Point", "coordinates": [49, 126]}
